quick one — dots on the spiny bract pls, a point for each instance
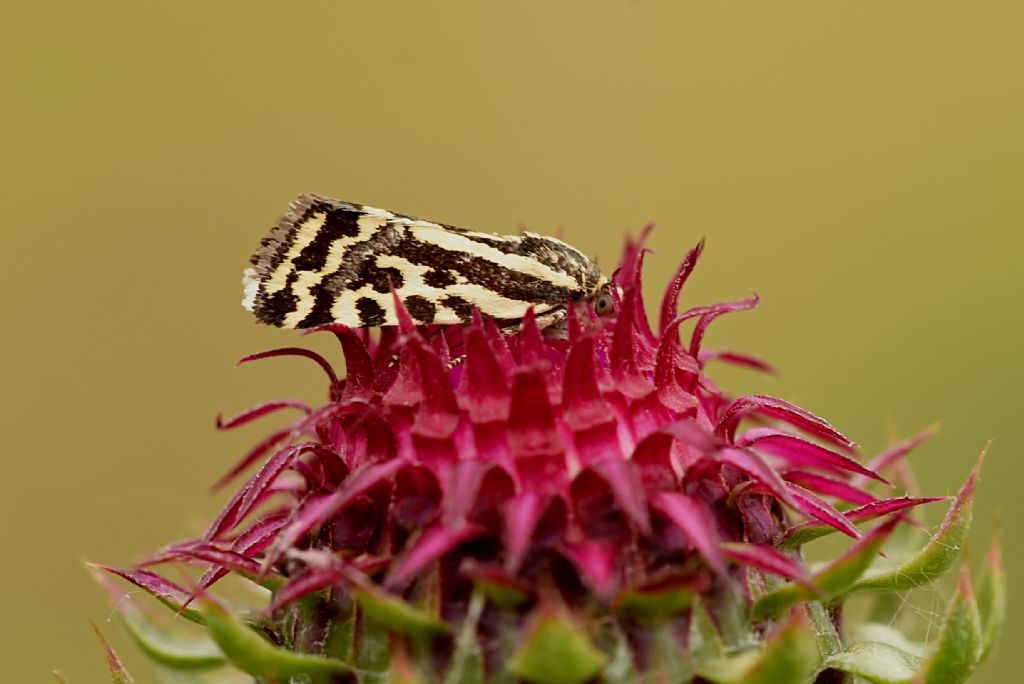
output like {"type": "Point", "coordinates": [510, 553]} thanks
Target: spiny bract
{"type": "Point", "coordinates": [559, 510]}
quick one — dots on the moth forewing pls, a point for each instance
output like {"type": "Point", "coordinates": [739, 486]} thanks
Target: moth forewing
{"type": "Point", "coordinates": [329, 261]}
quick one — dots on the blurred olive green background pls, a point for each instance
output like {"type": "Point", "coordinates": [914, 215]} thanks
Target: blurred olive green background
{"type": "Point", "coordinates": [859, 165]}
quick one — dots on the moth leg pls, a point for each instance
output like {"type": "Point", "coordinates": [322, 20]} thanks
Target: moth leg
{"type": "Point", "coordinates": [551, 323]}
{"type": "Point", "coordinates": [455, 361]}
{"type": "Point", "coordinates": [554, 323]}
{"type": "Point", "coordinates": [458, 360]}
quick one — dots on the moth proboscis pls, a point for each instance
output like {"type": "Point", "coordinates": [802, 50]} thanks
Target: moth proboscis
{"type": "Point", "coordinates": [328, 261]}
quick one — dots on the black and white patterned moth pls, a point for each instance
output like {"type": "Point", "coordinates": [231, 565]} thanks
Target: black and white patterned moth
{"type": "Point", "coordinates": [329, 261]}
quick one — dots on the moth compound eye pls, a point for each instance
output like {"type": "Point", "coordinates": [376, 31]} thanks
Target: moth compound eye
{"type": "Point", "coordinates": [604, 305]}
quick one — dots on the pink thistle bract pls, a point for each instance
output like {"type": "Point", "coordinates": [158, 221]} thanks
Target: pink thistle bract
{"type": "Point", "coordinates": [464, 476]}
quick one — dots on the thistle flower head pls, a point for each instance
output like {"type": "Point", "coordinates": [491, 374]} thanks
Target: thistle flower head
{"type": "Point", "coordinates": [465, 490]}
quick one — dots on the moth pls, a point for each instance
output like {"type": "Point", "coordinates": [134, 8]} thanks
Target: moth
{"type": "Point", "coordinates": [329, 261]}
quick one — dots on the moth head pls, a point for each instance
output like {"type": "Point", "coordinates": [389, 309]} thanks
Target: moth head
{"type": "Point", "coordinates": [604, 299]}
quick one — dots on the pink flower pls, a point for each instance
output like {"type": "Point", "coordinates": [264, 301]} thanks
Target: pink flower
{"type": "Point", "coordinates": [600, 473]}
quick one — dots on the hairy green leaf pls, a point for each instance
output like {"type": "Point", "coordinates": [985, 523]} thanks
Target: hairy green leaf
{"type": "Point", "coordinates": [876, 662]}
{"type": "Point", "coordinates": [398, 615]}
{"type": "Point", "coordinates": [886, 634]}
{"type": "Point", "coordinates": [467, 664]}
{"type": "Point", "coordinates": [372, 651]}
{"type": "Point", "coordinates": [789, 657]}
{"type": "Point", "coordinates": [223, 675]}
{"type": "Point", "coordinates": [832, 580]}
{"type": "Point", "coordinates": [118, 673]}
{"type": "Point", "coordinates": [174, 650]}
{"type": "Point", "coordinates": [252, 653]}
{"type": "Point", "coordinates": [992, 597]}
{"type": "Point", "coordinates": [658, 601]}
{"type": "Point", "coordinates": [938, 555]}
{"type": "Point", "coordinates": [555, 651]}
{"type": "Point", "coordinates": [670, 662]}
{"type": "Point", "coordinates": [958, 648]}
